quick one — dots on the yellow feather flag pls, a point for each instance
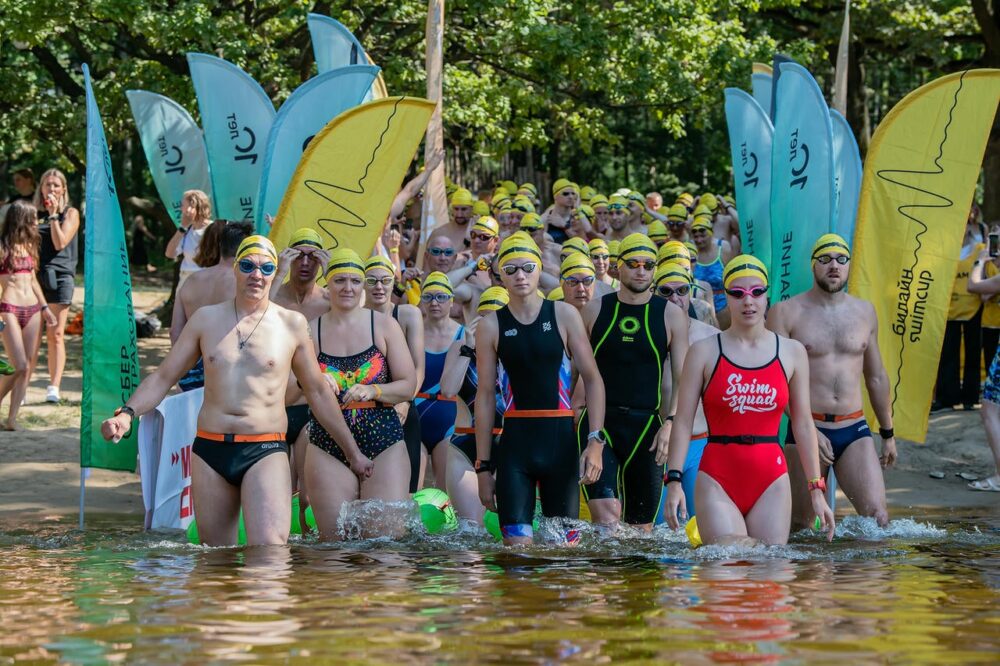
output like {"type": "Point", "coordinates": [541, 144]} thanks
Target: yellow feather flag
{"type": "Point", "coordinates": [351, 171]}
{"type": "Point", "coordinates": [919, 179]}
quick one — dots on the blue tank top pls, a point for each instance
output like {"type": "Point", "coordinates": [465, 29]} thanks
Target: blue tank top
{"type": "Point", "coordinates": [712, 274]}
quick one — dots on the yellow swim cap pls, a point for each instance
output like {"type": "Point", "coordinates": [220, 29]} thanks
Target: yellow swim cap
{"type": "Point", "coordinates": [636, 246]}
{"type": "Point", "coordinates": [499, 197]}
{"type": "Point", "coordinates": [529, 187]}
{"type": "Point", "coordinates": [702, 212]}
{"type": "Point", "coordinates": [563, 184]}
{"type": "Point", "coordinates": [672, 271]}
{"type": "Point", "coordinates": [518, 245]}
{"type": "Point", "coordinates": [709, 201]}
{"type": "Point", "coordinates": [378, 261]}
{"type": "Point", "coordinates": [523, 204]}
{"type": "Point", "coordinates": [462, 197]}
{"type": "Point", "coordinates": [437, 282]}
{"type": "Point", "coordinates": [685, 197]}
{"type": "Point", "coordinates": [480, 207]}
{"type": "Point", "coordinates": [486, 225]}
{"type": "Point", "coordinates": [344, 261]}
{"type": "Point", "coordinates": [598, 200]}
{"type": "Point", "coordinates": [596, 245]}
{"type": "Point", "coordinates": [677, 213]}
{"type": "Point", "coordinates": [828, 243]}
{"type": "Point", "coordinates": [613, 247]}
{"type": "Point", "coordinates": [587, 193]}
{"type": "Point", "coordinates": [744, 265]}
{"type": "Point", "coordinates": [673, 251]}
{"type": "Point", "coordinates": [692, 248]}
{"type": "Point", "coordinates": [305, 236]}
{"type": "Point", "coordinates": [257, 245]}
{"type": "Point", "coordinates": [657, 231]}
{"type": "Point", "coordinates": [576, 263]}
{"type": "Point", "coordinates": [492, 299]}
{"type": "Point", "coordinates": [574, 244]}
{"type": "Point", "coordinates": [556, 294]}
{"type": "Point", "coordinates": [510, 186]}
{"type": "Point", "coordinates": [530, 222]}
{"type": "Point", "coordinates": [617, 201]}
{"type": "Point", "coordinates": [702, 223]}
{"type": "Point", "coordinates": [587, 212]}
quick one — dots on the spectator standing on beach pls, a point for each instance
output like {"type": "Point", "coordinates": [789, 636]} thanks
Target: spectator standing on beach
{"type": "Point", "coordinates": [58, 227]}
{"type": "Point", "coordinates": [954, 384]}
{"type": "Point", "coordinates": [140, 253]}
{"type": "Point", "coordinates": [196, 215]}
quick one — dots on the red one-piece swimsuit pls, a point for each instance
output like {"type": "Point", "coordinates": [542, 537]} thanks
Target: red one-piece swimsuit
{"type": "Point", "coordinates": [743, 408]}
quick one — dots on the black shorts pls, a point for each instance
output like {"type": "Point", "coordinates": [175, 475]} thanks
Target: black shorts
{"type": "Point", "coordinates": [630, 471]}
{"type": "Point", "coordinates": [298, 417]}
{"type": "Point", "coordinates": [232, 460]}
{"type": "Point", "coordinates": [63, 292]}
{"type": "Point", "coordinates": [537, 453]}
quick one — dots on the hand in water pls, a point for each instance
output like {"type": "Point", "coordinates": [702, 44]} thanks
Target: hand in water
{"type": "Point", "coordinates": [676, 506]}
{"type": "Point", "coordinates": [823, 512]}
{"type": "Point", "coordinates": [362, 467]}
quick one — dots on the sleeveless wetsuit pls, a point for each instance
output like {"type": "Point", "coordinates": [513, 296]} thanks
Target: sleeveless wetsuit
{"type": "Point", "coordinates": [437, 414]}
{"type": "Point", "coordinates": [376, 426]}
{"type": "Point", "coordinates": [630, 343]}
{"type": "Point", "coordinates": [743, 408]}
{"type": "Point", "coordinates": [464, 438]}
{"type": "Point", "coordinates": [537, 447]}
{"type": "Point", "coordinates": [411, 433]}
{"type": "Point", "coordinates": [712, 274]}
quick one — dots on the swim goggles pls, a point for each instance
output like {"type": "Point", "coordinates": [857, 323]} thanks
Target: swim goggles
{"type": "Point", "coordinates": [739, 292]}
{"type": "Point", "coordinates": [248, 267]}
{"type": "Point", "coordinates": [528, 268]}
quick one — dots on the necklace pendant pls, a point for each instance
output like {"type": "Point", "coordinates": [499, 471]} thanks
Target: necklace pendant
{"type": "Point", "coordinates": [242, 344]}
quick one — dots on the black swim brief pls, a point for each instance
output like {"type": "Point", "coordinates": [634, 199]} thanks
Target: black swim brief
{"type": "Point", "coordinates": [231, 458]}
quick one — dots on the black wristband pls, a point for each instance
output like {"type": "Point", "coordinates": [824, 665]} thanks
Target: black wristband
{"type": "Point", "coordinates": [484, 466]}
{"type": "Point", "coordinates": [673, 475]}
{"type": "Point", "coordinates": [886, 433]}
{"type": "Point", "coordinates": [398, 290]}
{"type": "Point", "coordinates": [669, 417]}
{"type": "Point", "coordinates": [467, 352]}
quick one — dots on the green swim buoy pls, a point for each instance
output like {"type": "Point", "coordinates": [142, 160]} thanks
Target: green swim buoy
{"type": "Point", "coordinates": [436, 511]}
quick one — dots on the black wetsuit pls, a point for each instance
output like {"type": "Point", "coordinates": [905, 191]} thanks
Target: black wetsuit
{"type": "Point", "coordinates": [535, 451]}
{"type": "Point", "coordinates": [630, 344]}
{"type": "Point", "coordinates": [411, 433]}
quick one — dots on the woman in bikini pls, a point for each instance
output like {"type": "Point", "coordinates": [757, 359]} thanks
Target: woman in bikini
{"type": "Point", "coordinates": [22, 302]}
{"type": "Point", "coordinates": [745, 376]}
{"type": "Point", "coordinates": [366, 355]}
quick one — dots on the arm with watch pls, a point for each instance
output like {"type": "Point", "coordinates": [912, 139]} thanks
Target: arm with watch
{"type": "Point", "coordinates": [173, 249]}
{"type": "Point", "coordinates": [456, 363]}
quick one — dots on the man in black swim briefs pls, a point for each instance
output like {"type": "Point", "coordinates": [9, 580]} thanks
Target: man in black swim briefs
{"type": "Point", "coordinates": [250, 346]}
{"type": "Point", "coordinates": [840, 334]}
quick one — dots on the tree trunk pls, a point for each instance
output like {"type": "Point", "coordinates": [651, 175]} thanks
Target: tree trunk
{"type": "Point", "coordinates": [991, 175]}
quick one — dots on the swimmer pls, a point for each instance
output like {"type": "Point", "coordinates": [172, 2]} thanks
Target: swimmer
{"type": "Point", "coordinates": [558, 216]}
{"type": "Point", "coordinates": [302, 261]}
{"type": "Point", "coordinates": [639, 345]}
{"type": "Point", "coordinates": [474, 275]}
{"type": "Point", "coordinates": [618, 218]}
{"type": "Point", "coordinates": [987, 288]}
{"type": "Point", "coordinates": [437, 412]}
{"type": "Point", "coordinates": [600, 255]}
{"type": "Point", "coordinates": [460, 379]}
{"type": "Point", "coordinates": [725, 220]}
{"type": "Point", "coordinates": [677, 223]}
{"type": "Point", "coordinates": [674, 283]}
{"type": "Point", "coordinates": [745, 376]}
{"type": "Point", "coordinates": [711, 256]}
{"type": "Point", "coordinates": [636, 208]}
{"type": "Point", "coordinates": [551, 251]}
{"type": "Point", "coordinates": [702, 303]}
{"type": "Point", "coordinates": [840, 334]}
{"type": "Point", "coordinates": [531, 337]}
{"type": "Point", "coordinates": [379, 281]}
{"type": "Point", "coordinates": [599, 203]}
{"type": "Point", "coordinates": [214, 284]}
{"type": "Point", "coordinates": [366, 354]}
{"type": "Point", "coordinates": [456, 230]}
{"type": "Point", "coordinates": [579, 281]}
{"type": "Point", "coordinates": [250, 346]}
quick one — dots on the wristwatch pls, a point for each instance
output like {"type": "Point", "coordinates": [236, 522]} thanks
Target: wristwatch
{"type": "Point", "coordinates": [817, 484]}
{"type": "Point", "coordinates": [598, 435]}
{"type": "Point", "coordinates": [467, 352]}
{"type": "Point", "coordinates": [125, 409]}
{"type": "Point", "coordinates": [483, 466]}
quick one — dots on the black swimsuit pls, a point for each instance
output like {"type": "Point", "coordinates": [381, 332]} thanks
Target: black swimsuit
{"type": "Point", "coordinates": [411, 433]}
{"type": "Point", "coordinates": [375, 429]}
{"type": "Point", "coordinates": [630, 343]}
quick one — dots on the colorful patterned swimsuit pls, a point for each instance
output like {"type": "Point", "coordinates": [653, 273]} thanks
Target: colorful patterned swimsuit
{"type": "Point", "coordinates": [375, 429]}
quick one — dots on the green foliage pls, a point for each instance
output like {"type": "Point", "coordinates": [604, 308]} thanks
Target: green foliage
{"type": "Point", "coordinates": [610, 92]}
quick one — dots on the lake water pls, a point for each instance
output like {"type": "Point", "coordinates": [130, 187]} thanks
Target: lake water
{"type": "Point", "coordinates": [926, 589]}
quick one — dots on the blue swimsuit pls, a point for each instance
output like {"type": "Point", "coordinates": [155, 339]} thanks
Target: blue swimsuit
{"type": "Point", "coordinates": [437, 416]}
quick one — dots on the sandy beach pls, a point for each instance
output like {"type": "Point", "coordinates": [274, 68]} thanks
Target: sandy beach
{"type": "Point", "coordinates": [40, 473]}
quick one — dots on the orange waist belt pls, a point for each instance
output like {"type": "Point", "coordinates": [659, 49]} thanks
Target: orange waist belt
{"type": "Point", "coordinates": [837, 418]}
{"type": "Point", "coordinates": [367, 404]}
{"type": "Point", "coordinates": [434, 396]}
{"type": "Point", "coordinates": [537, 413]}
{"type": "Point", "coordinates": [463, 430]}
{"type": "Point", "coordinates": [700, 435]}
{"type": "Point", "coordinates": [230, 438]}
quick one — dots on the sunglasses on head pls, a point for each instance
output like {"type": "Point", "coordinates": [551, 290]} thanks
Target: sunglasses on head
{"type": "Point", "coordinates": [438, 297]}
{"type": "Point", "coordinates": [576, 282]}
{"type": "Point", "coordinates": [248, 267]}
{"type": "Point", "coordinates": [438, 251]}
{"type": "Point", "coordinates": [667, 292]}
{"type": "Point", "coordinates": [384, 281]}
{"type": "Point", "coordinates": [636, 263]}
{"type": "Point", "coordinates": [528, 268]}
{"type": "Point", "coordinates": [739, 292]}
{"type": "Point", "coordinates": [826, 259]}
{"type": "Point", "coordinates": [600, 257]}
